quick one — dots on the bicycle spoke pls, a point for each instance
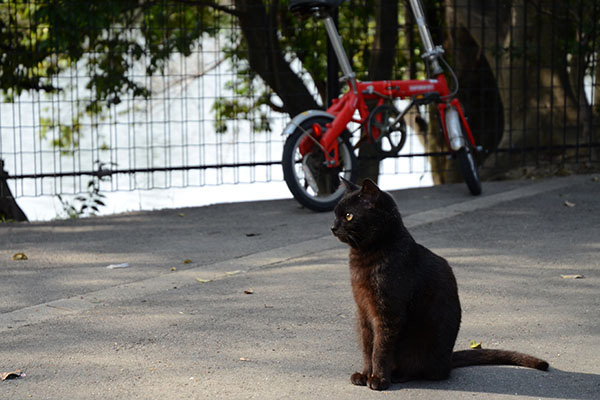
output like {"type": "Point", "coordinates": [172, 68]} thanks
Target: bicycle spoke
{"type": "Point", "coordinates": [389, 139]}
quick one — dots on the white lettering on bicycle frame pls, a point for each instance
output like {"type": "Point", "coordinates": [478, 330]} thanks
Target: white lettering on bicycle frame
{"type": "Point", "coordinates": [414, 88]}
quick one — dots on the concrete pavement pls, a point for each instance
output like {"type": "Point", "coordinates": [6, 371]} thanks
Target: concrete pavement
{"type": "Point", "coordinates": [263, 308]}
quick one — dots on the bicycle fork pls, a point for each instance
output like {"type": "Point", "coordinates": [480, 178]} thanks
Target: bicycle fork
{"type": "Point", "coordinates": [453, 118]}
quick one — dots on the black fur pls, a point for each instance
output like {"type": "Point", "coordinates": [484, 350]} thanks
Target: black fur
{"type": "Point", "coordinates": [407, 299]}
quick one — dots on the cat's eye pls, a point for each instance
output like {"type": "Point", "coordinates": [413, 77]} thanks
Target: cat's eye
{"type": "Point", "coordinates": [349, 217]}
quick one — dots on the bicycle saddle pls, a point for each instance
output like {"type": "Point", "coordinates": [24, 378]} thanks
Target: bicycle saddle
{"type": "Point", "coordinates": [310, 6]}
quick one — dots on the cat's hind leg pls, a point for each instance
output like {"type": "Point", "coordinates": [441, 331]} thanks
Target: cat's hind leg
{"type": "Point", "coordinates": [438, 367]}
{"type": "Point", "coordinates": [399, 377]}
{"type": "Point", "coordinates": [437, 374]}
{"type": "Point", "coordinates": [420, 360]}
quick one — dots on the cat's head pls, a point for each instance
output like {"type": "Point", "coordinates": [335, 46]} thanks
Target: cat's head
{"type": "Point", "coordinates": [365, 215]}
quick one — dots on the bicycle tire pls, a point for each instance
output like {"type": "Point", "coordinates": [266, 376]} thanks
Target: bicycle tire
{"type": "Point", "coordinates": [325, 191]}
{"type": "Point", "coordinates": [468, 168]}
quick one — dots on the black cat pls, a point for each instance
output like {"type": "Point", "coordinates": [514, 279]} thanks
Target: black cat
{"type": "Point", "coordinates": [407, 298]}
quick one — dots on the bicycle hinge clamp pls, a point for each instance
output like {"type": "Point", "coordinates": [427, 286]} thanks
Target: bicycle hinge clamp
{"type": "Point", "coordinates": [432, 53]}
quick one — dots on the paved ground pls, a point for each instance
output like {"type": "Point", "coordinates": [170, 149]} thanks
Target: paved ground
{"type": "Point", "coordinates": [80, 330]}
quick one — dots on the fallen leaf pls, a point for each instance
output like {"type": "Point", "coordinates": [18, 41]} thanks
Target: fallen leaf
{"type": "Point", "coordinates": [569, 204]}
{"type": "Point", "coordinates": [475, 344]}
{"type": "Point", "coordinates": [12, 375]}
{"type": "Point", "coordinates": [249, 291]}
{"type": "Point", "coordinates": [574, 276]}
{"type": "Point", "coordinates": [19, 256]}
{"type": "Point", "coordinates": [181, 214]}
{"type": "Point", "coordinates": [244, 359]}
{"type": "Point", "coordinates": [187, 261]}
{"type": "Point", "coordinates": [237, 271]}
{"type": "Point", "coordinates": [203, 280]}
{"type": "Point", "coordinates": [173, 269]}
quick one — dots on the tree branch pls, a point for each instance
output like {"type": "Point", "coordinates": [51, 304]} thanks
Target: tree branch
{"type": "Point", "coordinates": [275, 107]}
{"type": "Point", "coordinates": [210, 4]}
{"type": "Point", "coordinates": [267, 60]}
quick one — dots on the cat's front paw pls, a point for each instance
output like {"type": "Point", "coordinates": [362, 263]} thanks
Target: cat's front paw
{"type": "Point", "coordinates": [377, 383]}
{"type": "Point", "coordinates": [358, 379]}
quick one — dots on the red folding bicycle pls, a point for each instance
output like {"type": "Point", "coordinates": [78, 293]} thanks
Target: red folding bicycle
{"type": "Point", "coordinates": [318, 150]}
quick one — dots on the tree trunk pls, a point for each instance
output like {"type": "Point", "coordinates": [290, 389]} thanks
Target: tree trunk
{"type": "Point", "coordinates": [381, 63]}
{"type": "Point", "coordinates": [478, 94]}
{"type": "Point", "coordinates": [381, 66]}
{"type": "Point", "coordinates": [523, 44]}
{"type": "Point", "coordinates": [9, 209]}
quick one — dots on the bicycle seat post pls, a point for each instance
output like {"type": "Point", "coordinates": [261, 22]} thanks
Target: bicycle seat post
{"type": "Point", "coordinates": [432, 52]}
{"type": "Point", "coordinates": [338, 48]}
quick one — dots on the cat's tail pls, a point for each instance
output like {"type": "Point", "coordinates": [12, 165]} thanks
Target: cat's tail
{"type": "Point", "coordinates": [465, 358]}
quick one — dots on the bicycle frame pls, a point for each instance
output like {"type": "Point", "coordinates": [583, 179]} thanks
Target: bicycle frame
{"type": "Point", "coordinates": [344, 108]}
{"type": "Point", "coordinates": [317, 150]}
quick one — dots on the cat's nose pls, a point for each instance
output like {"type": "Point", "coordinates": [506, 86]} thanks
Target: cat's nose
{"type": "Point", "coordinates": [334, 229]}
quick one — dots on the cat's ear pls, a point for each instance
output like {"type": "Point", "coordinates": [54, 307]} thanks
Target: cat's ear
{"type": "Point", "coordinates": [370, 191]}
{"type": "Point", "coordinates": [350, 187]}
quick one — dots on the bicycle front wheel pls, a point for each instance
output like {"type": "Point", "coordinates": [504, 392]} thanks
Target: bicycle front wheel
{"type": "Point", "coordinates": [466, 161]}
{"type": "Point", "coordinates": [314, 184]}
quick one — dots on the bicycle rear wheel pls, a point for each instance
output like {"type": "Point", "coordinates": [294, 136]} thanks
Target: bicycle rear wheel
{"type": "Point", "coordinates": [314, 184]}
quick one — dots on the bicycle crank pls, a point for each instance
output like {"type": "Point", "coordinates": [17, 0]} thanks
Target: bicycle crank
{"type": "Point", "coordinates": [386, 131]}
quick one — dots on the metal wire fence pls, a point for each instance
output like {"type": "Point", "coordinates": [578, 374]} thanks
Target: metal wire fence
{"type": "Point", "coordinates": [167, 140]}
{"type": "Point", "coordinates": [528, 71]}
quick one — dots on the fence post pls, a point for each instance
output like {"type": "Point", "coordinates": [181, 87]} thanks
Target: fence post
{"type": "Point", "coordinates": [9, 209]}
